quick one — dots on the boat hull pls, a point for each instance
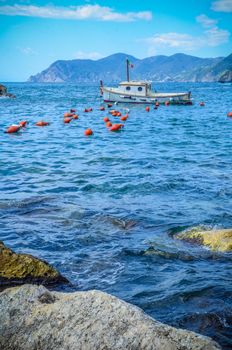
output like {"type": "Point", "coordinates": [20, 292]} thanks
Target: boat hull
{"type": "Point", "coordinates": [161, 98]}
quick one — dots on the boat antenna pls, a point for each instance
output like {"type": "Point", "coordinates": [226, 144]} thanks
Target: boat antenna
{"type": "Point", "coordinates": [127, 70]}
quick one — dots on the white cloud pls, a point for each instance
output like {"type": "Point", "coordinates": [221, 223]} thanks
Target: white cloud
{"type": "Point", "coordinates": [222, 6]}
{"type": "Point", "coordinates": [212, 36]}
{"type": "Point", "coordinates": [27, 51]}
{"type": "Point", "coordinates": [174, 40]}
{"type": "Point", "coordinates": [97, 12]}
{"type": "Point", "coordinates": [88, 55]}
{"type": "Point", "coordinates": [206, 21]}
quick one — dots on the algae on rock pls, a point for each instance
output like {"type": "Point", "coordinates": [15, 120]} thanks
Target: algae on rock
{"type": "Point", "coordinates": [217, 240]}
{"type": "Point", "coordinates": [21, 268]}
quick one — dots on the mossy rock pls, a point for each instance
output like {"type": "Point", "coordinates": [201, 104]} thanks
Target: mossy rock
{"type": "Point", "coordinates": [217, 240]}
{"type": "Point", "coordinates": [24, 268]}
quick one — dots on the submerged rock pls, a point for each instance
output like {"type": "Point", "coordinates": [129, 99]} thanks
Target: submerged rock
{"type": "Point", "coordinates": [31, 317]}
{"type": "Point", "coordinates": [217, 240]}
{"type": "Point", "coordinates": [24, 268]}
{"type": "Point", "coordinates": [3, 92]}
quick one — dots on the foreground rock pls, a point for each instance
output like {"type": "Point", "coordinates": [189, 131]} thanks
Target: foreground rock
{"type": "Point", "coordinates": [3, 92]}
{"type": "Point", "coordinates": [23, 268]}
{"type": "Point", "coordinates": [218, 240]}
{"type": "Point", "coordinates": [31, 317]}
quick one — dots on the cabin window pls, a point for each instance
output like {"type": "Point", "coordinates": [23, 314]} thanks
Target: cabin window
{"type": "Point", "coordinates": [128, 88]}
{"type": "Point", "coordinates": [140, 88]}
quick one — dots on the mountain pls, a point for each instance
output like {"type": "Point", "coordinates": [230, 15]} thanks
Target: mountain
{"type": "Point", "coordinates": [178, 67]}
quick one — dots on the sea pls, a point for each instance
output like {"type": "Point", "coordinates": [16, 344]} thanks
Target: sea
{"type": "Point", "coordinates": [104, 209]}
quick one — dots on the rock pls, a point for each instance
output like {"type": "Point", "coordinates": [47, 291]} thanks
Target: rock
{"type": "Point", "coordinates": [23, 268]}
{"type": "Point", "coordinates": [217, 240]}
{"type": "Point", "coordinates": [3, 92]}
{"type": "Point", "coordinates": [31, 317]}
{"type": "Point", "coordinates": [226, 77]}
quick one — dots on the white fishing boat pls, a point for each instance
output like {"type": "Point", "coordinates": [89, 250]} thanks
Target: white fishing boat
{"type": "Point", "coordinates": [131, 91]}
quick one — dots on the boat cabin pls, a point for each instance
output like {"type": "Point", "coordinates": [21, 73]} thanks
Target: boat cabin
{"type": "Point", "coordinates": [138, 88]}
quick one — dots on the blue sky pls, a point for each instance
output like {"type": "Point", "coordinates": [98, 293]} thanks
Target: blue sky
{"type": "Point", "coordinates": [33, 34]}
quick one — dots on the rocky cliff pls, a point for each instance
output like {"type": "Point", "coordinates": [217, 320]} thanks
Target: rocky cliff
{"type": "Point", "coordinates": [178, 67]}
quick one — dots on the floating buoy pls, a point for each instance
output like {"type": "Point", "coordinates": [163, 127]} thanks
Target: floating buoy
{"type": "Point", "coordinates": [88, 132]}
{"type": "Point", "coordinates": [75, 116]}
{"type": "Point", "coordinates": [115, 114]}
{"type": "Point", "coordinates": [102, 108]}
{"type": "Point", "coordinates": [72, 110]}
{"type": "Point", "coordinates": [23, 123]}
{"type": "Point", "coordinates": [147, 109]}
{"type": "Point", "coordinates": [108, 124]}
{"type": "Point", "coordinates": [202, 104]}
{"type": "Point", "coordinates": [109, 105]}
{"type": "Point", "coordinates": [67, 120]}
{"type": "Point", "coordinates": [88, 110]}
{"type": "Point", "coordinates": [116, 127]}
{"type": "Point", "coordinates": [41, 123]}
{"type": "Point", "coordinates": [124, 118]}
{"type": "Point", "coordinates": [112, 111]}
{"type": "Point", "coordinates": [106, 119]}
{"type": "Point", "coordinates": [157, 104]}
{"type": "Point", "coordinates": [12, 129]}
{"type": "Point", "coordinates": [167, 103]}
{"type": "Point", "coordinates": [229, 114]}
{"type": "Point", "coordinates": [119, 114]}
{"type": "Point", "coordinates": [68, 115]}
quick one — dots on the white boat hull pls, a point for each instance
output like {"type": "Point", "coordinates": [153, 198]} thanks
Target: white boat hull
{"type": "Point", "coordinates": [174, 98]}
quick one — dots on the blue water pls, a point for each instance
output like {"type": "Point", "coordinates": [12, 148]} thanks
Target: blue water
{"type": "Point", "coordinates": [103, 209]}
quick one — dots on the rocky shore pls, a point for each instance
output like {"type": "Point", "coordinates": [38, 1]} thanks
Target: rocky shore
{"type": "Point", "coordinates": [32, 317]}
{"type": "Point", "coordinates": [4, 93]}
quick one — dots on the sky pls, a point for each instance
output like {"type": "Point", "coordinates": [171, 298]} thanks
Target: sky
{"type": "Point", "coordinates": [34, 34]}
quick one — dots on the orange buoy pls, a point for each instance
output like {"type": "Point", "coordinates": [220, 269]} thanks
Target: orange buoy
{"type": "Point", "coordinates": [109, 105]}
{"type": "Point", "coordinates": [157, 104]}
{"type": "Point", "coordinates": [119, 114]}
{"type": "Point", "coordinates": [75, 116]}
{"type": "Point", "coordinates": [202, 104]}
{"type": "Point", "coordinates": [106, 119]}
{"type": "Point", "coordinates": [229, 114]}
{"type": "Point", "coordinates": [147, 109]}
{"type": "Point", "coordinates": [102, 108]}
{"type": "Point", "coordinates": [116, 127]}
{"type": "Point", "coordinates": [88, 132]}
{"type": "Point", "coordinates": [67, 120]}
{"type": "Point", "coordinates": [23, 123]}
{"type": "Point", "coordinates": [167, 103]}
{"type": "Point", "coordinates": [13, 128]}
{"type": "Point", "coordinates": [124, 118]}
{"type": "Point", "coordinates": [108, 124]}
{"type": "Point", "coordinates": [41, 123]}
{"type": "Point", "coordinates": [68, 115]}
{"type": "Point", "coordinates": [112, 111]}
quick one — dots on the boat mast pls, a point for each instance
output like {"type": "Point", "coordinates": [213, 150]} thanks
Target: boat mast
{"type": "Point", "coordinates": [127, 70]}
